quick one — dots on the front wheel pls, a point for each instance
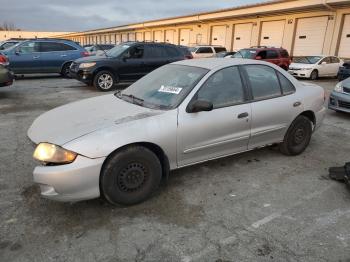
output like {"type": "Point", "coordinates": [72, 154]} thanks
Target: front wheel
{"type": "Point", "coordinates": [65, 70]}
{"type": "Point", "coordinates": [104, 81]}
{"type": "Point", "coordinates": [314, 75]}
{"type": "Point", "coordinates": [130, 176]}
{"type": "Point", "coordinates": [298, 137]}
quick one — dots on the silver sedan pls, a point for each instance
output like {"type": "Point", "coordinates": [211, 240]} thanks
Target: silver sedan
{"type": "Point", "coordinates": [121, 145]}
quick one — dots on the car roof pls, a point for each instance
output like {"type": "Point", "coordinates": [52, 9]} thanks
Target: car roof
{"type": "Point", "coordinates": [213, 63]}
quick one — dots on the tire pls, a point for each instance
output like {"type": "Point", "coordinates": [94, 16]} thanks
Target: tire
{"type": "Point", "coordinates": [297, 137]}
{"type": "Point", "coordinates": [104, 81]}
{"type": "Point", "coordinates": [65, 70]}
{"type": "Point", "coordinates": [314, 75]}
{"type": "Point", "coordinates": [130, 176]}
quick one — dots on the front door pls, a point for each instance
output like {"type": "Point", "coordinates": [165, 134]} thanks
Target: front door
{"type": "Point", "coordinates": [26, 59]}
{"type": "Point", "coordinates": [133, 65]}
{"type": "Point", "coordinates": [224, 130]}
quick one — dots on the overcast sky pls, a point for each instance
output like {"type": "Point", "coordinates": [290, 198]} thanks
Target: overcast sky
{"type": "Point", "coordinates": [78, 15]}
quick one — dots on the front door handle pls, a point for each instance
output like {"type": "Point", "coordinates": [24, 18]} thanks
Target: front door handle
{"type": "Point", "coordinates": [63, 55]}
{"type": "Point", "coordinates": [296, 104]}
{"type": "Point", "coordinates": [243, 115]}
{"type": "Point", "coordinates": [36, 57]}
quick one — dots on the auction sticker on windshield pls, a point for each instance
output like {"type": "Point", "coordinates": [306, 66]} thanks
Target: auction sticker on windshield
{"type": "Point", "coordinates": [170, 89]}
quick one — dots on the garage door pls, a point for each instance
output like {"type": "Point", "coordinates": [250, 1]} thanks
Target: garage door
{"type": "Point", "coordinates": [310, 36]}
{"type": "Point", "coordinates": [344, 47]}
{"type": "Point", "coordinates": [118, 39]}
{"type": "Point", "coordinates": [148, 36]}
{"type": "Point", "coordinates": [272, 33]}
{"type": "Point", "coordinates": [218, 35]}
{"type": "Point", "coordinates": [124, 38]}
{"type": "Point", "coordinates": [158, 36]}
{"type": "Point", "coordinates": [139, 36]}
{"type": "Point", "coordinates": [132, 37]}
{"type": "Point", "coordinates": [242, 36]}
{"type": "Point", "coordinates": [169, 36]}
{"type": "Point", "coordinates": [185, 37]}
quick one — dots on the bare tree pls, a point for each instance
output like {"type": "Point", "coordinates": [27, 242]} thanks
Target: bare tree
{"type": "Point", "coordinates": [8, 26]}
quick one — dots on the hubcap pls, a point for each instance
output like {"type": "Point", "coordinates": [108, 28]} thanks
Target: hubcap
{"type": "Point", "coordinates": [299, 136]}
{"type": "Point", "coordinates": [105, 81]}
{"type": "Point", "coordinates": [132, 177]}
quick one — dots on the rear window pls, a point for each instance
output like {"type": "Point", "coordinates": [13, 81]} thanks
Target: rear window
{"type": "Point", "coordinates": [204, 50]}
{"type": "Point", "coordinates": [219, 49]}
{"type": "Point", "coordinates": [284, 53]}
{"type": "Point", "coordinates": [271, 54]}
{"type": "Point", "coordinates": [54, 47]}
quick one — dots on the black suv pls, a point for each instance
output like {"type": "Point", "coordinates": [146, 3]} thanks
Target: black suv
{"type": "Point", "coordinates": [126, 62]}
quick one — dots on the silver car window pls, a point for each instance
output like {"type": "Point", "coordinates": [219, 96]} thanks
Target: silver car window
{"type": "Point", "coordinates": [263, 81]}
{"type": "Point", "coordinates": [224, 88]}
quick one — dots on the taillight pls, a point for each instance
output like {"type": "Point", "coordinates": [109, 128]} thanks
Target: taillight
{"type": "Point", "coordinates": [3, 60]}
{"type": "Point", "coordinates": [188, 57]}
{"type": "Point", "coordinates": [84, 54]}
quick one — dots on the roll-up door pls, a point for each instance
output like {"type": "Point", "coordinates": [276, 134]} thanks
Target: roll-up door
{"type": "Point", "coordinates": [242, 36]}
{"type": "Point", "coordinates": [218, 35]}
{"type": "Point", "coordinates": [158, 36]}
{"type": "Point", "coordinates": [169, 36]}
{"type": "Point", "coordinates": [272, 33]}
{"type": "Point", "coordinates": [139, 36]}
{"type": "Point", "coordinates": [310, 36]}
{"type": "Point", "coordinates": [185, 37]}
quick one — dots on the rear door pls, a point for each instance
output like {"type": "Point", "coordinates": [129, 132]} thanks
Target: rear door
{"type": "Point", "coordinates": [54, 55]}
{"type": "Point", "coordinates": [224, 130]}
{"type": "Point", "coordinates": [275, 104]}
{"type": "Point", "coordinates": [156, 56]}
{"type": "Point", "coordinates": [26, 59]}
{"type": "Point", "coordinates": [325, 67]}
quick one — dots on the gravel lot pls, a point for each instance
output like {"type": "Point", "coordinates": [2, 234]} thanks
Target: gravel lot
{"type": "Point", "coordinates": [256, 206]}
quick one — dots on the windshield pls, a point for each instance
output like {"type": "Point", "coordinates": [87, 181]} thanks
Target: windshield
{"type": "Point", "coordinates": [306, 59]}
{"type": "Point", "coordinates": [117, 51]}
{"type": "Point", "coordinates": [165, 87]}
{"type": "Point", "coordinates": [245, 53]}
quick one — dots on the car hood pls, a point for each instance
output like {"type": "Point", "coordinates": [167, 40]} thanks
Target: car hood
{"type": "Point", "coordinates": [92, 58]}
{"type": "Point", "coordinates": [300, 65]}
{"type": "Point", "coordinates": [66, 123]}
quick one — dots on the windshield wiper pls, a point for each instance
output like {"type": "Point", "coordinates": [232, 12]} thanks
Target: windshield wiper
{"type": "Point", "coordinates": [135, 100]}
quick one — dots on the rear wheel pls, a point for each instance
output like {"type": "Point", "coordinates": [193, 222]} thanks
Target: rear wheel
{"type": "Point", "coordinates": [314, 75]}
{"type": "Point", "coordinates": [131, 176]}
{"type": "Point", "coordinates": [298, 137]}
{"type": "Point", "coordinates": [105, 81]}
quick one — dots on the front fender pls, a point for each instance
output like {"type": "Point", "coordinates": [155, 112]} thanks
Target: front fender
{"type": "Point", "coordinates": [159, 130]}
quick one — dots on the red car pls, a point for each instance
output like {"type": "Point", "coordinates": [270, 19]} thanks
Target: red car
{"type": "Point", "coordinates": [277, 56]}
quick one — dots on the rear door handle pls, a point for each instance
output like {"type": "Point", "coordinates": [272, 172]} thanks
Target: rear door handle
{"type": "Point", "coordinates": [36, 57]}
{"type": "Point", "coordinates": [63, 55]}
{"type": "Point", "coordinates": [296, 104]}
{"type": "Point", "coordinates": [243, 115]}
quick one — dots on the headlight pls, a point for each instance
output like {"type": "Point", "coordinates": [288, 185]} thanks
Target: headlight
{"type": "Point", "coordinates": [49, 153]}
{"type": "Point", "coordinates": [86, 65]}
{"type": "Point", "coordinates": [339, 87]}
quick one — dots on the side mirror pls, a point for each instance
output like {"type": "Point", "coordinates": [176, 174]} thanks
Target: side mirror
{"type": "Point", "coordinates": [17, 51]}
{"type": "Point", "coordinates": [199, 106]}
{"type": "Point", "coordinates": [323, 63]}
{"type": "Point", "coordinates": [258, 58]}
